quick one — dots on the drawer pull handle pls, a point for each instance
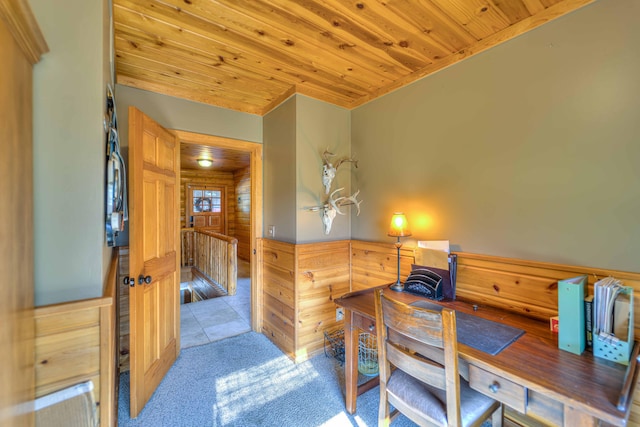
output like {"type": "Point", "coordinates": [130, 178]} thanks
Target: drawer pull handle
{"type": "Point", "coordinates": [493, 388]}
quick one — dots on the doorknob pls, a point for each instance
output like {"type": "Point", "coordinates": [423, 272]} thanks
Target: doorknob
{"type": "Point", "coordinates": [144, 279]}
{"type": "Point", "coordinates": [129, 281]}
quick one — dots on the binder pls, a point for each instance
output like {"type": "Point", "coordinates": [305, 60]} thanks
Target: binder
{"type": "Point", "coordinates": [572, 332]}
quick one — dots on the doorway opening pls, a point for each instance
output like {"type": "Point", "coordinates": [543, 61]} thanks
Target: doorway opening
{"type": "Point", "coordinates": [225, 201]}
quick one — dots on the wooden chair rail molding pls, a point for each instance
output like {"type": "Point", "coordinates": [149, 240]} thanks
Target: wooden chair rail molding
{"type": "Point", "coordinates": [75, 342]}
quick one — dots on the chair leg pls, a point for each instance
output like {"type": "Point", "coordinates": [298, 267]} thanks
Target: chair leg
{"type": "Point", "coordinates": [383, 412]}
{"type": "Point", "coordinates": [497, 416]}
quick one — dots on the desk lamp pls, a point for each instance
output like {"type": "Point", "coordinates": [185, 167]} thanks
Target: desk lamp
{"type": "Point", "coordinates": [399, 228]}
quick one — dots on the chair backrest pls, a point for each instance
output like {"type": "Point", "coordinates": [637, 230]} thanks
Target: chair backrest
{"type": "Point", "coordinates": [422, 343]}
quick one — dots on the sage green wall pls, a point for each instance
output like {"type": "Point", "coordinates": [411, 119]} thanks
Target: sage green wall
{"type": "Point", "coordinates": [529, 150]}
{"type": "Point", "coordinates": [176, 113]}
{"type": "Point", "coordinates": [320, 126]}
{"type": "Point", "coordinates": [71, 257]}
{"type": "Point", "coordinates": [279, 171]}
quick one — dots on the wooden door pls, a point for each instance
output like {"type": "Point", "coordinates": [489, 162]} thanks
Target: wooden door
{"type": "Point", "coordinates": [206, 207]}
{"type": "Point", "coordinates": [154, 310]}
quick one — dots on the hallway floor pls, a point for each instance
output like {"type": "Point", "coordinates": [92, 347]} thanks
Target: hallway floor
{"type": "Point", "coordinates": [214, 319]}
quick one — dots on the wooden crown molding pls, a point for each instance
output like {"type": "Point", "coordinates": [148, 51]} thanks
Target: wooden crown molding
{"type": "Point", "coordinates": [23, 26]}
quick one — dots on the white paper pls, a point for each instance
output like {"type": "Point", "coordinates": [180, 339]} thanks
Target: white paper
{"type": "Point", "coordinates": [438, 245]}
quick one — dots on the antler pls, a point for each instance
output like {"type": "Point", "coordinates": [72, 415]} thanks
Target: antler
{"type": "Point", "coordinates": [333, 205]}
{"type": "Point", "coordinates": [345, 160]}
{"type": "Point", "coordinates": [326, 156]}
{"type": "Point", "coordinates": [336, 203]}
{"type": "Point", "coordinates": [351, 200]}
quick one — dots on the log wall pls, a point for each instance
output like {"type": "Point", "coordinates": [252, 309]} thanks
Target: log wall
{"type": "Point", "coordinates": [242, 179]}
{"type": "Point", "coordinates": [224, 179]}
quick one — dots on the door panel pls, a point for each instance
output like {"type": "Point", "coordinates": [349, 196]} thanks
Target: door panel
{"type": "Point", "coordinates": [154, 326]}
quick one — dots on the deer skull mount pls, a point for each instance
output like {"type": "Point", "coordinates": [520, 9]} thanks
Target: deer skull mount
{"type": "Point", "coordinates": [333, 205]}
{"type": "Point", "coordinates": [329, 169]}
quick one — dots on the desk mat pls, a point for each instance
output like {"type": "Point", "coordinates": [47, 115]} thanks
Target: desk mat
{"type": "Point", "coordinates": [482, 334]}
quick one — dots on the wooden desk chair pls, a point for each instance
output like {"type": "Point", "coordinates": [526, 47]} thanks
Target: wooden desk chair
{"type": "Point", "coordinates": [425, 385]}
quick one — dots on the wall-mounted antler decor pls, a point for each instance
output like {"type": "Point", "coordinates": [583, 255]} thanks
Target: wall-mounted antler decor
{"type": "Point", "coordinates": [329, 170]}
{"type": "Point", "coordinates": [332, 206]}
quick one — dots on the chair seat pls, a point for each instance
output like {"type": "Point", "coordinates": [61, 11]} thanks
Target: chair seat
{"type": "Point", "coordinates": [431, 402]}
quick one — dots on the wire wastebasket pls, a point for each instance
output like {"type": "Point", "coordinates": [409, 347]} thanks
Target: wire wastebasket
{"type": "Point", "coordinates": [334, 344]}
{"type": "Point", "coordinates": [367, 354]}
{"type": "Point", "coordinates": [367, 350]}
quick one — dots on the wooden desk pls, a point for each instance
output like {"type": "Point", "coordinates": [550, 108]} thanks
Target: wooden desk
{"type": "Point", "coordinates": [534, 376]}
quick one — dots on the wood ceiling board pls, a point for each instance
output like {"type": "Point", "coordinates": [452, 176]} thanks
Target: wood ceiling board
{"type": "Point", "coordinates": [549, 14]}
{"type": "Point", "coordinates": [239, 89]}
{"type": "Point", "coordinates": [352, 35]}
{"type": "Point", "coordinates": [479, 17]}
{"type": "Point", "coordinates": [249, 55]}
{"type": "Point", "coordinates": [228, 31]}
{"type": "Point", "coordinates": [194, 59]}
{"type": "Point", "coordinates": [224, 159]}
{"type": "Point", "coordinates": [282, 67]}
{"type": "Point", "coordinates": [276, 19]}
{"type": "Point", "coordinates": [434, 24]}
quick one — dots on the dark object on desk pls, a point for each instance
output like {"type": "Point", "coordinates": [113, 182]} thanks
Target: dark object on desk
{"type": "Point", "coordinates": [448, 284]}
{"type": "Point", "coordinates": [425, 282]}
{"type": "Point", "coordinates": [482, 334]}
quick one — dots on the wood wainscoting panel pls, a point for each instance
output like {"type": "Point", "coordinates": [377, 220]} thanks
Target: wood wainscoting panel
{"type": "Point", "coordinates": [123, 312]}
{"type": "Point", "coordinates": [374, 264]}
{"type": "Point", "coordinates": [300, 282]}
{"type": "Point", "coordinates": [77, 341]}
{"type": "Point", "coordinates": [278, 270]}
{"type": "Point", "coordinates": [323, 274]}
{"type": "Point", "coordinates": [526, 287]}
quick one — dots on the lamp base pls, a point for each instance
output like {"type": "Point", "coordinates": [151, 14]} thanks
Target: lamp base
{"type": "Point", "coordinates": [398, 287]}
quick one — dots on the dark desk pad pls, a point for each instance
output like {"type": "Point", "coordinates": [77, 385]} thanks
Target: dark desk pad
{"type": "Point", "coordinates": [482, 334]}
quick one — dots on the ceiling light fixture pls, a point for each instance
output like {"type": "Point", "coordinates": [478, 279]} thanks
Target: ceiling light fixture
{"type": "Point", "coordinates": [205, 163]}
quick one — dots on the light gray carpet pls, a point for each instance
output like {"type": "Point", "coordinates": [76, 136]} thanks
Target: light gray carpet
{"type": "Point", "coordinates": [247, 381]}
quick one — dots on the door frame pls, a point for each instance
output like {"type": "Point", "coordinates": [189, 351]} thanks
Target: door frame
{"type": "Point", "coordinates": [255, 151]}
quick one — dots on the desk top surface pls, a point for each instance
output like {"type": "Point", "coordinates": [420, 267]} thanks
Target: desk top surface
{"type": "Point", "coordinates": [534, 360]}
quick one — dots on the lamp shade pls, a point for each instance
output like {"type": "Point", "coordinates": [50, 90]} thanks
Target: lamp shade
{"type": "Point", "coordinates": [205, 163]}
{"type": "Point", "coordinates": [399, 226]}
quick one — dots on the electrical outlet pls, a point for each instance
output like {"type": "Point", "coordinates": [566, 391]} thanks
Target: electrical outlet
{"type": "Point", "coordinates": [271, 231]}
{"type": "Point", "coordinates": [339, 314]}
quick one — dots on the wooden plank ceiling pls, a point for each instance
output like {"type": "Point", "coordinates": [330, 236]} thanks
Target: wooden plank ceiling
{"type": "Point", "coordinates": [250, 55]}
{"type": "Point", "coordinates": [224, 159]}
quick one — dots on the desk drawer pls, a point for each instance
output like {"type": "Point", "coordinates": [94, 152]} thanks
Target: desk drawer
{"type": "Point", "coordinates": [507, 392]}
{"type": "Point", "coordinates": [364, 323]}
